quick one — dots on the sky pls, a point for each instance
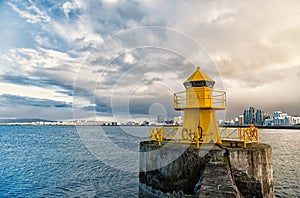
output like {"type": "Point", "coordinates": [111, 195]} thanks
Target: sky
{"type": "Point", "coordinates": [123, 60]}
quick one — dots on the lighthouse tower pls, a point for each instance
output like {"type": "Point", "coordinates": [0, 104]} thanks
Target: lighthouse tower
{"type": "Point", "coordinates": [199, 103]}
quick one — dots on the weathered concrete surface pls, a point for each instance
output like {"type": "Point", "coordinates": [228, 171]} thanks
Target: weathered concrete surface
{"type": "Point", "coordinates": [252, 169]}
{"type": "Point", "coordinates": [210, 171]}
{"type": "Point", "coordinates": [179, 175]}
{"type": "Point", "coordinates": [217, 180]}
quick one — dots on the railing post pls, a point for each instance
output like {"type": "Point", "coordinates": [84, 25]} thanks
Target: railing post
{"type": "Point", "coordinates": [245, 138]}
{"type": "Point", "coordinates": [160, 136]}
{"type": "Point", "coordinates": [240, 134]}
{"type": "Point", "coordinates": [197, 138]}
{"type": "Point", "coordinates": [256, 132]}
{"type": "Point", "coordinates": [150, 134]}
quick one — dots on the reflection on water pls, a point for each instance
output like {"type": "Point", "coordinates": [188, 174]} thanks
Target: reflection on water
{"type": "Point", "coordinates": [53, 162]}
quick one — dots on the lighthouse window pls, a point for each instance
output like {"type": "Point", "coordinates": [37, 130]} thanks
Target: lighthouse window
{"type": "Point", "coordinates": [203, 83]}
{"type": "Point", "coordinates": [198, 83]}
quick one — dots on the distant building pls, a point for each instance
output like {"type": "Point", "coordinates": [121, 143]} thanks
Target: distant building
{"type": "Point", "coordinates": [177, 120]}
{"type": "Point", "coordinates": [228, 123]}
{"type": "Point", "coordinates": [253, 116]}
{"type": "Point", "coordinates": [277, 114]}
{"type": "Point", "coordinates": [278, 119]}
{"type": "Point", "coordinates": [236, 121]}
{"type": "Point", "coordinates": [268, 122]}
{"type": "Point", "coordinates": [289, 120]}
{"type": "Point", "coordinates": [259, 118]}
{"type": "Point", "coordinates": [246, 116]}
{"type": "Point", "coordinates": [296, 120]}
{"type": "Point", "coordinates": [283, 119]}
{"type": "Point", "coordinates": [241, 119]}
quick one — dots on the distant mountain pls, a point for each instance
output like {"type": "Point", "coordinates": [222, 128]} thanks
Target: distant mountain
{"type": "Point", "coordinates": [24, 120]}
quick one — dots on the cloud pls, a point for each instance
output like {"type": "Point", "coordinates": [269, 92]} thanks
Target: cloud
{"type": "Point", "coordinates": [98, 108]}
{"type": "Point", "coordinates": [255, 49]}
{"type": "Point", "coordinates": [31, 13]}
{"type": "Point", "coordinates": [14, 100]}
{"type": "Point", "coordinates": [37, 82]}
{"type": "Point", "coordinates": [69, 7]}
{"type": "Point", "coordinates": [100, 49]}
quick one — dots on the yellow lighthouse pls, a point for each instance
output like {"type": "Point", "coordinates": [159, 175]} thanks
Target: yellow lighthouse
{"type": "Point", "coordinates": [199, 103]}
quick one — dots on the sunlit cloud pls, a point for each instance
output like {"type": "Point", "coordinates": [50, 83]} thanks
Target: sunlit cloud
{"type": "Point", "coordinates": [31, 13]}
{"type": "Point", "coordinates": [89, 46]}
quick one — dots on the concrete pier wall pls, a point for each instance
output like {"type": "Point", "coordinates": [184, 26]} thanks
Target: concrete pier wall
{"type": "Point", "coordinates": [210, 171]}
{"type": "Point", "coordinates": [254, 165]}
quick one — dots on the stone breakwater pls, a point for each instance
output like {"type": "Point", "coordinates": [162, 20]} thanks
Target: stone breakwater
{"type": "Point", "coordinates": [211, 171]}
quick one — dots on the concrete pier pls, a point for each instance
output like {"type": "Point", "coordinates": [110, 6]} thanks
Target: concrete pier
{"type": "Point", "coordinates": [211, 171]}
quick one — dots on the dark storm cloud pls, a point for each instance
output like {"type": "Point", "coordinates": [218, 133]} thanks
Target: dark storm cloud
{"type": "Point", "coordinates": [13, 100]}
{"type": "Point", "coordinates": [38, 82]}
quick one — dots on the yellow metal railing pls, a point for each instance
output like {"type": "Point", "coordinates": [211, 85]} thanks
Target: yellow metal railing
{"type": "Point", "coordinates": [183, 135]}
{"type": "Point", "coordinates": [175, 134]}
{"type": "Point", "coordinates": [245, 135]}
{"type": "Point", "coordinates": [218, 99]}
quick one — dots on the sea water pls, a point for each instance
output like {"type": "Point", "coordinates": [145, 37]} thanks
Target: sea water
{"type": "Point", "coordinates": [94, 161]}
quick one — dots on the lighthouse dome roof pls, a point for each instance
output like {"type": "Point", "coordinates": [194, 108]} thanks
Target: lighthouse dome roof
{"type": "Point", "coordinates": [198, 75]}
{"type": "Point", "coordinates": [199, 79]}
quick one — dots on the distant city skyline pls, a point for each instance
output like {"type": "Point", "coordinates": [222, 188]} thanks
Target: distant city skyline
{"type": "Point", "coordinates": [258, 117]}
{"type": "Point", "coordinates": [123, 60]}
